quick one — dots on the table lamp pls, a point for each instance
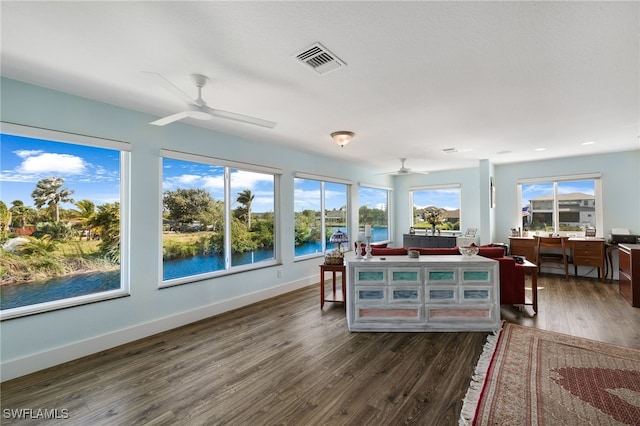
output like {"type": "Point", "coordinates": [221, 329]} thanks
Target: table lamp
{"type": "Point", "coordinates": [339, 237]}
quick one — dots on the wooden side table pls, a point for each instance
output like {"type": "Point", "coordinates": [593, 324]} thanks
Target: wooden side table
{"type": "Point", "coordinates": [336, 296]}
{"type": "Point", "coordinates": [532, 268]}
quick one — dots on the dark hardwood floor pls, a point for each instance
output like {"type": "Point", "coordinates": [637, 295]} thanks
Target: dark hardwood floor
{"type": "Point", "coordinates": [285, 362]}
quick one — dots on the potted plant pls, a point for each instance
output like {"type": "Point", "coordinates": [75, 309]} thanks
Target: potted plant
{"type": "Point", "coordinates": [434, 216]}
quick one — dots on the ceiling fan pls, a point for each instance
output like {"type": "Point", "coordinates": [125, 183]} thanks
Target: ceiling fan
{"type": "Point", "coordinates": [406, 170]}
{"type": "Point", "coordinates": [198, 108]}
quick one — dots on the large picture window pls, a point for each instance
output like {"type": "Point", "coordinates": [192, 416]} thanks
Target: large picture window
{"type": "Point", "coordinates": [436, 208]}
{"type": "Point", "coordinates": [321, 208]}
{"type": "Point", "coordinates": [216, 216]}
{"type": "Point", "coordinates": [564, 205]}
{"type": "Point", "coordinates": [63, 228]}
{"type": "Point", "coordinates": [374, 211]}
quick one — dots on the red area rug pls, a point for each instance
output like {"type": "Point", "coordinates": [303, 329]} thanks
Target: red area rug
{"type": "Point", "coordinates": [538, 377]}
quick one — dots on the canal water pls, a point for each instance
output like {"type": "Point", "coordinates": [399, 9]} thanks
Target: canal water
{"type": "Point", "coordinates": [33, 292]}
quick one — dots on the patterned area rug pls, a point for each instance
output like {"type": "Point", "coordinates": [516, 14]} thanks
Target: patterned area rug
{"type": "Point", "coordinates": [537, 377]}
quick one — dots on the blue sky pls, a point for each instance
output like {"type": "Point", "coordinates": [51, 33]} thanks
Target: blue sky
{"type": "Point", "coordinates": [92, 173]}
{"type": "Point", "coordinates": [191, 175]}
{"type": "Point", "coordinates": [443, 198]}
{"type": "Point", "coordinates": [373, 198]}
{"type": "Point", "coordinates": [307, 195]}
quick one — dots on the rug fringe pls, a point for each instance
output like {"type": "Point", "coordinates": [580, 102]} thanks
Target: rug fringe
{"type": "Point", "coordinates": [471, 399]}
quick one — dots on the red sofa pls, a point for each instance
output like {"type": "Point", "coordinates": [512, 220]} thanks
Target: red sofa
{"type": "Point", "coordinates": [363, 247]}
{"type": "Point", "coordinates": [511, 277]}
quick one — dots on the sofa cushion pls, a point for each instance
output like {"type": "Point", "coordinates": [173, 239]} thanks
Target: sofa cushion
{"type": "Point", "coordinates": [491, 252]}
{"type": "Point", "coordinates": [380, 251]}
{"type": "Point", "coordinates": [363, 247]}
{"type": "Point", "coordinates": [436, 250]}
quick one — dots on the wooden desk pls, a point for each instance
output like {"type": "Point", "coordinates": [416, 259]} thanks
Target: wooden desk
{"type": "Point", "coordinates": [336, 296]}
{"type": "Point", "coordinates": [585, 252]}
{"type": "Point", "coordinates": [629, 273]}
{"type": "Point", "coordinates": [532, 268]}
{"type": "Point", "coordinates": [523, 246]}
{"type": "Point", "coordinates": [588, 252]}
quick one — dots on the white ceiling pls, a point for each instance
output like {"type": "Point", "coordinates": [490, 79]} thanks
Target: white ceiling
{"type": "Point", "coordinates": [494, 80]}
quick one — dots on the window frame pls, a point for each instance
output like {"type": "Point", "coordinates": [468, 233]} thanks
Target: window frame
{"type": "Point", "coordinates": [125, 219]}
{"type": "Point", "coordinates": [555, 180]}
{"type": "Point", "coordinates": [389, 192]}
{"type": "Point", "coordinates": [227, 165]}
{"type": "Point", "coordinates": [456, 186]}
{"type": "Point", "coordinates": [324, 179]}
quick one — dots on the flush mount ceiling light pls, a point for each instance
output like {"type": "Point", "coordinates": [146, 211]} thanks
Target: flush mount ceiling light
{"type": "Point", "coordinates": [342, 137]}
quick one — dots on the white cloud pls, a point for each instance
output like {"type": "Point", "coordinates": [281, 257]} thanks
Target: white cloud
{"type": "Point", "coordinates": [188, 179]}
{"type": "Point", "coordinates": [24, 153]}
{"type": "Point", "coordinates": [306, 199]}
{"type": "Point", "coordinates": [212, 183]}
{"type": "Point", "coordinates": [47, 162]}
{"type": "Point", "coordinates": [244, 179]}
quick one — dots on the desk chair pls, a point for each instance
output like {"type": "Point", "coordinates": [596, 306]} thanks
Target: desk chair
{"type": "Point", "coordinates": [552, 250]}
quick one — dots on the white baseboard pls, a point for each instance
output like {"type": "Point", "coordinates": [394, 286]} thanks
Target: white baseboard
{"type": "Point", "coordinates": [32, 363]}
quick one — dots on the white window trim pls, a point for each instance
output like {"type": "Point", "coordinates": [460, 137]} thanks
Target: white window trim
{"type": "Point", "coordinates": [125, 218]}
{"type": "Point", "coordinates": [596, 177]}
{"type": "Point", "coordinates": [389, 209]}
{"type": "Point", "coordinates": [58, 136]}
{"type": "Point", "coordinates": [371, 185]}
{"type": "Point", "coordinates": [323, 180]}
{"type": "Point", "coordinates": [249, 167]}
{"type": "Point", "coordinates": [229, 269]}
{"type": "Point", "coordinates": [434, 187]}
{"type": "Point", "coordinates": [412, 189]}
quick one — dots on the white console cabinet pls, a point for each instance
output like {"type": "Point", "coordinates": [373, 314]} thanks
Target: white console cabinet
{"type": "Point", "coordinates": [431, 293]}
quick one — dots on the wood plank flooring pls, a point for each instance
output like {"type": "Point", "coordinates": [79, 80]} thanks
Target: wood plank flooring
{"type": "Point", "coordinates": [285, 362]}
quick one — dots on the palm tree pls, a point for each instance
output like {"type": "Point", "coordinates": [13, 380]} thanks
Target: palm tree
{"type": "Point", "coordinates": [106, 221]}
{"type": "Point", "coordinates": [49, 191]}
{"type": "Point", "coordinates": [87, 209]}
{"type": "Point", "coordinates": [5, 219]}
{"type": "Point", "coordinates": [21, 213]}
{"type": "Point", "coordinates": [246, 198]}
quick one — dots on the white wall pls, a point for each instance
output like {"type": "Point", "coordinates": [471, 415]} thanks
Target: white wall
{"type": "Point", "coordinates": [620, 187]}
{"type": "Point", "coordinates": [39, 341]}
{"type": "Point", "coordinates": [620, 192]}
{"type": "Point", "coordinates": [471, 192]}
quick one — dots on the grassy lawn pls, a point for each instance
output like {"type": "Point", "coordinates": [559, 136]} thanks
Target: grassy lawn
{"type": "Point", "coordinates": [74, 248]}
{"type": "Point", "coordinates": [185, 237]}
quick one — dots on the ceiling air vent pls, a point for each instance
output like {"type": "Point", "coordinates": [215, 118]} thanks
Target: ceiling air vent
{"type": "Point", "coordinates": [319, 59]}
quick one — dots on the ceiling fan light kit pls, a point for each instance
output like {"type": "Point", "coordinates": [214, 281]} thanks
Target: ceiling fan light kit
{"type": "Point", "coordinates": [342, 137]}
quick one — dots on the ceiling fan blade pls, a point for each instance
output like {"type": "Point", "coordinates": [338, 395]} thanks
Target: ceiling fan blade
{"type": "Point", "coordinates": [242, 118]}
{"type": "Point", "coordinates": [174, 89]}
{"type": "Point", "coordinates": [169, 119]}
